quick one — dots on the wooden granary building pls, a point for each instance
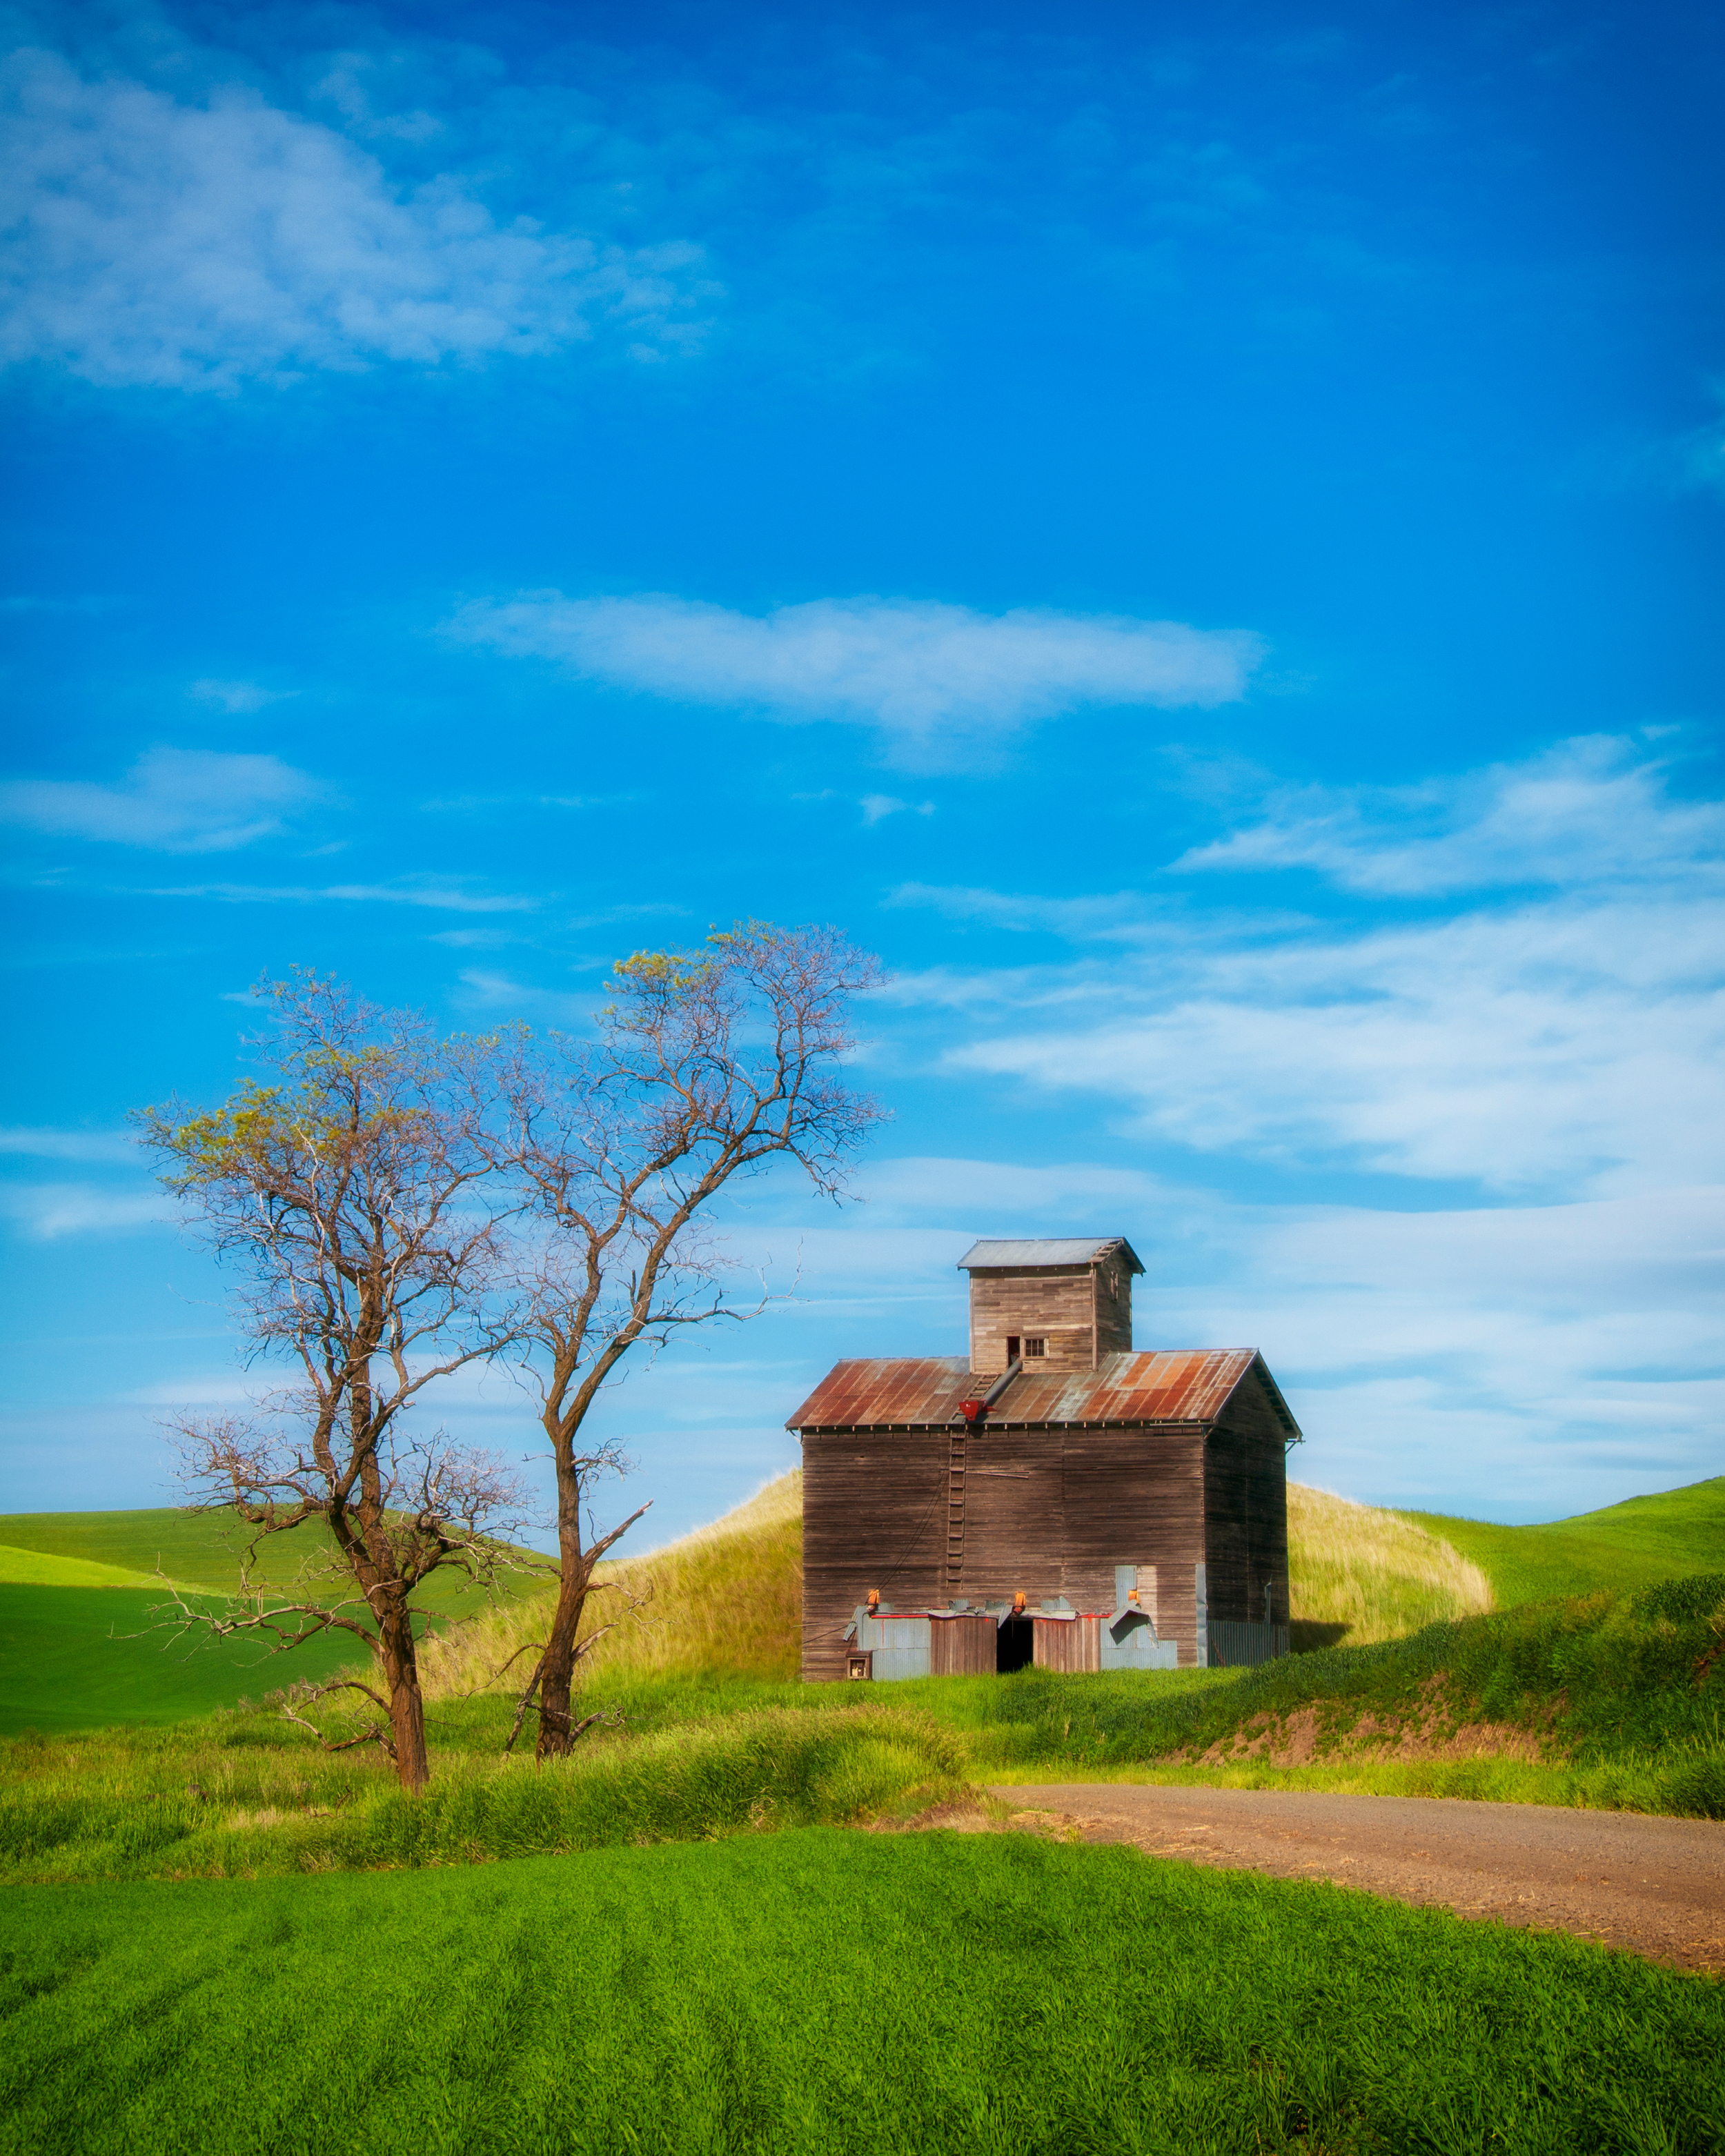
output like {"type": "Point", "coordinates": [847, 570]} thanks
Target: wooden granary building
{"type": "Point", "coordinates": [1053, 1496]}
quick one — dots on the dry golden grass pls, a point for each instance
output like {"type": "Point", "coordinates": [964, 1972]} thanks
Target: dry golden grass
{"type": "Point", "coordinates": [727, 1599]}
{"type": "Point", "coordinates": [1361, 1574]}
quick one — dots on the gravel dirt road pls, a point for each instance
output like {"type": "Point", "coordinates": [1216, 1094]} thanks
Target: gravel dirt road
{"type": "Point", "coordinates": [1654, 1885]}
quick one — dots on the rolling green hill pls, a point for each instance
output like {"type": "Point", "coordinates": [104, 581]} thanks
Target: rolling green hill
{"type": "Point", "coordinates": [76, 1583]}
{"type": "Point", "coordinates": [196, 1549]}
{"type": "Point", "coordinates": [79, 1605]}
{"type": "Point", "coordinates": [1626, 1546]}
{"type": "Point", "coordinates": [85, 1657]}
{"type": "Point", "coordinates": [30, 1568]}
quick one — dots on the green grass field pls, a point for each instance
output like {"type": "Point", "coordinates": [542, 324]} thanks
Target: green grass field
{"type": "Point", "coordinates": [77, 1603]}
{"type": "Point", "coordinates": [1626, 1546]}
{"type": "Point", "coordinates": [817, 1993]}
{"type": "Point", "coordinates": [64, 1667]}
{"type": "Point", "coordinates": [1619, 1693]}
{"type": "Point", "coordinates": [81, 1657]}
{"type": "Point", "coordinates": [215, 1937]}
{"type": "Point", "coordinates": [196, 1549]}
{"type": "Point", "coordinates": [30, 1568]}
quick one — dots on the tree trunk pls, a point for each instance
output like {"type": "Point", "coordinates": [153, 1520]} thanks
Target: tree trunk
{"type": "Point", "coordinates": [407, 1706]}
{"type": "Point", "coordinates": [556, 1670]}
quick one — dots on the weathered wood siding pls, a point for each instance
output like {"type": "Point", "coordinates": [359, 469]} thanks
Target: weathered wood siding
{"type": "Point", "coordinates": [1015, 1506]}
{"type": "Point", "coordinates": [1080, 1312]}
{"type": "Point", "coordinates": [1246, 1508]}
{"type": "Point", "coordinates": [874, 1516]}
{"type": "Point", "coordinates": [1135, 1497]}
{"type": "Point", "coordinates": [1056, 1303]}
{"type": "Point", "coordinates": [962, 1647]}
{"type": "Point", "coordinates": [1071, 1644]}
{"type": "Point", "coordinates": [1048, 1512]}
{"type": "Point", "coordinates": [1114, 1307]}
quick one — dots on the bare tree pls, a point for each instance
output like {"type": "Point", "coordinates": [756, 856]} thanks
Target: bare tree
{"type": "Point", "coordinates": [708, 1066]}
{"type": "Point", "coordinates": [354, 1196]}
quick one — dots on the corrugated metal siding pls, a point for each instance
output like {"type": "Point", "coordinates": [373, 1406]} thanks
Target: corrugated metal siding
{"type": "Point", "coordinates": [1186, 1385]}
{"type": "Point", "coordinates": [1244, 1646]}
{"type": "Point", "coordinates": [899, 1645]}
{"type": "Point", "coordinates": [1129, 1642]}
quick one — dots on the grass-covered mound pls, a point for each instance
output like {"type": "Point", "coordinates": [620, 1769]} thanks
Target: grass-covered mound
{"type": "Point", "coordinates": [245, 1794]}
{"type": "Point", "coordinates": [819, 1995]}
{"type": "Point", "coordinates": [725, 1601]}
{"type": "Point", "coordinates": [1634, 1544]}
{"type": "Point", "coordinates": [1623, 1696]}
{"type": "Point", "coordinates": [1361, 1575]}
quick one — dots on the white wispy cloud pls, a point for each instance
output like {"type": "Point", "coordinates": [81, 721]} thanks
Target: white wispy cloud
{"type": "Point", "coordinates": [1115, 914]}
{"type": "Point", "coordinates": [942, 684]}
{"type": "Point", "coordinates": [1596, 809]}
{"type": "Point", "coordinates": [190, 245]}
{"type": "Point", "coordinates": [45, 1143]}
{"type": "Point", "coordinates": [876, 807]}
{"type": "Point", "coordinates": [1565, 1044]}
{"type": "Point", "coordinates": [236, 696]}
{"type": "Point", "coordinates": [46, 1211]}
{"type": "Point", "coordinates": [447, 898]}
{"type": "Point", "coordinates": [179, 801]}
{"type": "Point", "coordinates": [1571, 1041]}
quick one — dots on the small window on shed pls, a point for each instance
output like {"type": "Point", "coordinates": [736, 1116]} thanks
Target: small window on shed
{"type": "Point", "coordinates": [1033, 1345]}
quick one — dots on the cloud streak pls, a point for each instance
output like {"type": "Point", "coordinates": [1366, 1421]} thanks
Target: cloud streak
{"type": "Point", "coordinates": [47, 1211]}
{"type": "Point", "coordinates": [1593, 809]}
{"type": "Point", "coordinates": [942, 684]}
{"type": "Point", "coordinates": [439, 897]}
{"type": "Point", "coordinates": [189, 246]}
{"type": "Point", "coordinates": [1572, 1041]}
{"type": "Point", "coordinates": [177, 801]}
{"type": "Point", "coordinates": [43, 1143]}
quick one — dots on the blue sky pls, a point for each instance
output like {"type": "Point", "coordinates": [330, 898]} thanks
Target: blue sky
{"type": "Point", "coordinates": [1193, 532]}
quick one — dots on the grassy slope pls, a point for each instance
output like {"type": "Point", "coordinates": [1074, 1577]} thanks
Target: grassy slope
{"type": "Point", "coordinates": [820, 1994]}
{"type": "Point", "coordinates": [728, 1600]}
{"type": "Point", "coordinates": [1624, 1547]}
{"type": "Point", "coordinates": [1360, 1574]}
{"type": "Point", "coordinates": [78, 1603]}
{"type": "Point", "coordinates": [199, 1549]}
{"type": "Point", "coordinates": [32, 1568]}
{"type": "Point", "coordinates": [78, 1658]}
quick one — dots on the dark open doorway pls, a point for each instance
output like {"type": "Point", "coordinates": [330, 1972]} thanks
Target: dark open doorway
{"type": "Point", "coordinates": [1014, 1645]}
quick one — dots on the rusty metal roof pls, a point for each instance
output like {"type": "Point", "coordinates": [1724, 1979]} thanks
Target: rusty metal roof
{"type": "Point", "coordinates": [1048, 1251]}
{"type": "Point", "coordinates": [1191, 1385]}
